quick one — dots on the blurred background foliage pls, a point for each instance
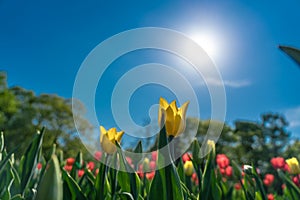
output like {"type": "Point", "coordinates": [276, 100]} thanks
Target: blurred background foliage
{"type": "Point", "coordinates": [22, 113]}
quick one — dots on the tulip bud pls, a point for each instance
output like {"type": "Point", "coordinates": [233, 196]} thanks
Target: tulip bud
{"type": "Point", "coordinates": [293, 165]}
{"type": "Point", "coordinates": [146, 165]}
{"type": "Point", "coordinates": [109, 138]}
{"type": "Point", "coordinates": [188, 168]}
{"type": "Point", "coordinates": [172, 117]}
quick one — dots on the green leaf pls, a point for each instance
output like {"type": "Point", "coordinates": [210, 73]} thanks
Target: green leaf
{"type": "Point", "coordinates": [17, 197]}
{"type": "Point", "coordinates": [113, 177]}
{"type": "Point", "coordinates": [167, 179]}
{"type": "Point", "coordinates": [196, 151]}
{"type": "Point", "coordinates": [180, 171]}
{"type": "Point", "coordinates": [237, 171]}
{"type": "Point", "coordinates": [7, 195]}
{"type": "Point", "coordinates": [259, 184]}
{"type": "Point", "coordinates": [174, 189]}
{"type": "Point", "coordinates": [53, 150]}
{"type": "Point", "coordinates": [138, 154]}
{"type": "Point", "coordinates": [17, 182]}
{"type": "Point", "coordinates": [50, 187]}
{"type": "Point", "coordinates": [31, 157]}
{"type": "Point", "coordinates": [125, 196]}
{"type": "Point", "coordinates": [74, 188]}
{"type": "Point", "coordinates": [1, 142]}
{"type": "Point", "coordinates": [127, 175]}
{"type": "Point", "coordinates": [88, 185]}
{"type": "Point", "coordinates": [100, 181]}
{"type": "Point", "coordinates": [60, 156]}
{"type": "Point", "coordinates": [207, 176]}
{"type": "Point", "coordinates": [292, 52]}
{"type": "Point", "coordinates": [77, 165]}
{"type": "Point", "coordinates": [4, 162]}
{"type": "Point", "coordinates": [290, 185]}
{"type": "Point", "coordinates": [158, 184]}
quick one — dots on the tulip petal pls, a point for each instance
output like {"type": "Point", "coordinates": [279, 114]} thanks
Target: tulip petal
{"type": "Point", "coordinates": [169, 121]}
{"type": "Point", "coordinates": [119, 136]}
{"type": "Point", "coordinates": [161, 117]}
{"type": "Point", "coordinates": [174, 106]}
{"type": "Point", "coordinates": [102, 130]}
{"type": "Point", "coordinates": [183, 109]}
{"type": "Point", "coordinates": [107, 145]}
{"type": "Point", "coordinates": [111, 134]}
{"type": "Point", "coordinates": [182, 113]}
{"type": "Point", "coordinates": [163, 103]}
{"type": "Point", "coordinates": [177, 125]}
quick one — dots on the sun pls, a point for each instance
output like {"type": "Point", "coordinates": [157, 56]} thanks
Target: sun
{"type": "Point", "coordinates": [208, 41]}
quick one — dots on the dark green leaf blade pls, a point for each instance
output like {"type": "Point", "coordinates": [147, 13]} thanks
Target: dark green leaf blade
{"type": "Point", "coordinates": [292, 52]}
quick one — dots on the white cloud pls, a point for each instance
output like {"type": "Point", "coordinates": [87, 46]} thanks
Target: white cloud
{"type": "Point", "coordinates": [293, 117]}
{"type": "Point", "coordinates": [228, 83]}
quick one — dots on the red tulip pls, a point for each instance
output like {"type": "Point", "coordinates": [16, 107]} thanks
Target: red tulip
{"type": "Point", "coordinates": [278, 162]}
{"type": "Point", "coordinates": [223, 171]}
{"type": "Point", "coordinates": [268, 180]}
{"type": "Point", "coordinates": [129, 160]}
{"type": "Point", "coordinates": [222, 161]}
{"type": "Point", "coordinates": [150, 175]}
{"type": "Point", "coordinates": [194, 177]}
{"type": "Point", "coordinates": [271, 197]}
{"type": "Point", "coordinates": [152, 165]}
{"type": "Point", "coordinates": [98, 155]}
{"type": "Point", "coordinates": [286, 167]}
{"type": "Point", "coordinates": [70, 161]}
{"type": "Point", "coordinates": [228, 171]}
{"type": "Point", "coordinates": [186, 157]}
{"type": "Point", "coordinates": [80, 173]}
{"type": "Point", "coordinates": [154, 155]}
{"type": "Point", "coordinates": [270, 177]}
{"type": "Point", "coordinates": [91, 165]}
{"type": "Point", "coordinates": [68, 168]}
{"type": "Point", "coordinates": [96, 172]}
{"type": "Point", "coordinates": [237, 186]}
{"type": "Point", "coordinates": [140, 173]}
{"type": "Point", "coordinates": [39, 166]}
{"type": "Point", "coordinates": [296, 180]}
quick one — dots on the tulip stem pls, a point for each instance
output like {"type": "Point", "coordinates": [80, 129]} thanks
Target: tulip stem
{"type": "Point", "coordinates": [171, 148]}
{"type": "Point", "coordinates": [144, 184]}
{"type": "Point", "coordinates": [114, 176]}
{"type": "Point", "coordinates": [104, 172]}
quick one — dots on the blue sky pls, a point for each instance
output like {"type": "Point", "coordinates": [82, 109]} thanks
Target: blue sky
{"type": "Point", "coordinates": [42, 46]}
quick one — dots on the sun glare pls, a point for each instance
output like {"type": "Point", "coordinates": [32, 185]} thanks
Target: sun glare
{"type": "Point", "coordinates": [209, 42]}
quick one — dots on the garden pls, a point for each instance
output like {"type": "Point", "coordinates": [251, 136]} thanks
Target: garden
{"type": "Point", "coordinates": [45, 173]}
{"type": "Point", "coordinates": [149, 100]}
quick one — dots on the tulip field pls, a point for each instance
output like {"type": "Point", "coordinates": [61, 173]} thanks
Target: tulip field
{"type": "Point", "coordinates": [213, 177]}
{"type": "Point", "coordinates": [189, 177]}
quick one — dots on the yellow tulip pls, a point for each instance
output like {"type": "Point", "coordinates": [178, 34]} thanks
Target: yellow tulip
{"type": "Point", "coordinates": [211, 145]}
{"type": "Point", "coordinates": [146, 164]}
{"type": "Point", "coordinates": [174, 117]}
{"type": "Point", "coordinates": [293, 165]}
{"type": "Point", "coordinates": [188, 168]}
{"type": "Point", "coordinates": [108, 139]}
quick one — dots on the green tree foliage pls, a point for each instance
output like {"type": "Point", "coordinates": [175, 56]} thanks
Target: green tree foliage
{"type": "Point", "coordinates": [275, 134]}
{"type": "Point", "coordinates": [22, 113]}
{"type": "Point", "coordinates": [292, 150]}
{"type": "Point", "coordinates": [248, 142]}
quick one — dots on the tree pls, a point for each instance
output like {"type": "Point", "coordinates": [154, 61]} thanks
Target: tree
{"type": "Point", "coordinates": [22, 113]}
{"type": "Point", "coordinates": [249, 143]}
{"type": "Point", "coordinates": [275, 134]}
